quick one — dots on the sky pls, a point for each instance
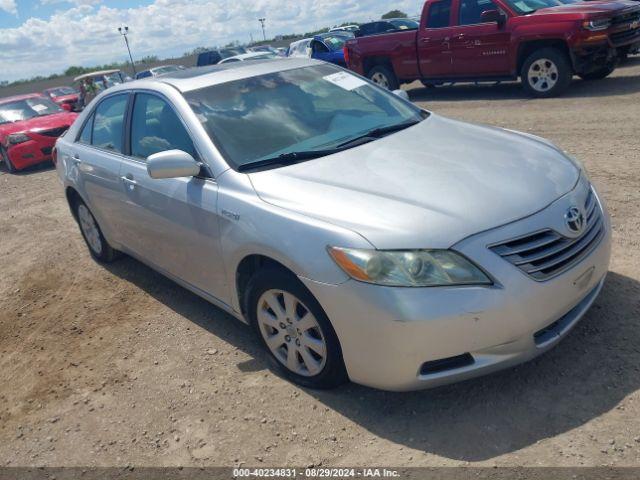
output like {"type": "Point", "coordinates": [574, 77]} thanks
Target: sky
{"type": "Point", "coordinates": [41, 37]}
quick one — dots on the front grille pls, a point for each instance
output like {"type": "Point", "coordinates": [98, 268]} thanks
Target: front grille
{"type": "Point", "coordinates": [54, 132]}
{"type": "Point", "coordinates": [629, 17]}
{"type": "Point", "coordinates": [627, 35]}
{"type": "Point", "coordinates": [546, 253]}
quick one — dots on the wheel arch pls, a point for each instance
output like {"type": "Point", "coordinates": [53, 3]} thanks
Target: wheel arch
{"type": "Point", "coordinates": [526, 48]}
{"type": "Point", "coordinates": [246, 268]}
{"type": "Point", "coordinates": [377, 60]}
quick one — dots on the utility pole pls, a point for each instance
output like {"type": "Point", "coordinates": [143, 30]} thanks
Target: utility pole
{"type": "Point", "coordinates": [262, 20]}
{"type": "Point", "coordinates": [124, 30]}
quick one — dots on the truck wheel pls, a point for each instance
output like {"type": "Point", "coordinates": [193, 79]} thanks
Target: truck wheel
{"type": "Point", "coordinates": [598, 74]}
{"type": "Point", "coordinates": [546, 73]}
{"type": "Point", "coordinates": [383, 77]}
{"type": "Point", "coordinates": [4, 156]}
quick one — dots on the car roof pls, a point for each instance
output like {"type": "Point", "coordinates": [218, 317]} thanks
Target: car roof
{"type": "Point", "coordinates": [95, 74]}
{"type": "Point", "coordinates": [200, 77]}
{"type": "Point", "coordinates": [17, 98]}
{"type": "Point", "coordinates": [244, 56]}
{"type": "Point", "coordinates": [304, 40]}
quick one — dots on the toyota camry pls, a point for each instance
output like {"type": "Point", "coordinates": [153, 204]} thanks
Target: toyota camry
{"type": "Point", "coordinates": [362, 237]}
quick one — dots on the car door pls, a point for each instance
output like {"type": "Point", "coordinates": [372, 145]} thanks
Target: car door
{"type": "Point", "coordinates": [170, 223]}
{"type": "Point", "coordinates": [434, 41]}
{"type": "Point", "coordinates": [96, 155]}
{"type": "Point", "coordinates": [479, 48]}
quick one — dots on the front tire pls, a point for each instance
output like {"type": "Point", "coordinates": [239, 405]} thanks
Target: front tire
{"type": "Point", "coordinates": [598, 74]}
{"type": "Point", "coordinates": [383, 77]}
{"type": "Point", "coordinates": [546, 73]}
{"type": "Point", "coordinates": [7, 161]}
{"type": "Point", "coordinates": [98, 246]}
{"type": "Point", "coordinates": [293, 328]}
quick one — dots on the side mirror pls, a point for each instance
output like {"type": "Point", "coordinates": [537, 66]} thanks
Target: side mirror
{"type": "Point", "coordinates": [489, 16]}
{"type": "Point", "coordinates": [68, 107]}
{"type": "Point", "coordinates": [402, 94]}
{"type": "Point", "coordinates": [172, 164]}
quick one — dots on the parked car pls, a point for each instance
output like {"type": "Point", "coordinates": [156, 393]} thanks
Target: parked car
{"type": "Point", "coordinates": [375, 28]}
{"type": "Point", "coordinates": [156, 71]}
{"type": "Point", "coordinates": [301, 199]}
{"type": "Point", "coordinates": [542, 42]}
{"type": "Point", "coordinates": [300, 48]}
{"type": "Point", "coordinates": [329, 47]}
{"type": "Point", "coordinates": [29, 127]}
{"type": "Point", "coordinates": [267, 49]}
{"type": "Point", "coordinates": [249, 56]}
{"type": "Point", "coordinates": [404, 23]}
{"type": "Point", "coordinates": [212, 57]}
{"type": "Point", "coordinates": [345, 28]}
{"type": "Point", "coordinates": [66, 97]}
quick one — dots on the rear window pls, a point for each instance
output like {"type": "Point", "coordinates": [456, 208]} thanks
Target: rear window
{"type": "Point", "coordinates": [439, 14]}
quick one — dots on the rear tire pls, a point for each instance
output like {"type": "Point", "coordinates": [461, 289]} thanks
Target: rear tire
{"type": "Point", "coordinates": [546, 73]}
{"type": "Point", "coordinates": [98, 246]}
{"type": "Point", "coordinates": [7, 161]}
{"type": "Point", "coordinates": [383, 77]}
{"type": "Point", "coordinates": [294, 330]}
{"type": "Point", "coordinates": [598, 74]}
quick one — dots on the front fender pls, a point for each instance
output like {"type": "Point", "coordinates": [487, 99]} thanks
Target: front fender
{"type": "Point", "coordinates": [250, 226]}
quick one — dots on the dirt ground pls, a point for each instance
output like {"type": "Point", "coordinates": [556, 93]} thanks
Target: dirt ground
{"type": "Point", "coordinates": [116, 365]}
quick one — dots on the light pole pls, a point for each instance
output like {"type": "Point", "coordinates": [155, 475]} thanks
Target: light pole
{"type": "Point", "coordinates": [262, 20]}
{"type": "Point", "coordinates": [124, 30]}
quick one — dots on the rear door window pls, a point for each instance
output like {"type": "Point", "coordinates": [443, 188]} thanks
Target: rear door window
{"type": "Point", "coordinates": [439, 15]}
{"type": "Point", "coordinates": [108, 124]}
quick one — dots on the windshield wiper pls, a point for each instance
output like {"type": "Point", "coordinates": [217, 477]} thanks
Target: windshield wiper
{"type": "Point", "coordinates": [288, 158]}
{"type": "Point", "coordinates": [381, 131]}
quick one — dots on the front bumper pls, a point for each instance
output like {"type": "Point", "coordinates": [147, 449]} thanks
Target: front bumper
{"type": "Point", "coordinates": [388, 334]}
{"type": "Point", "coordinates": [31, 152]}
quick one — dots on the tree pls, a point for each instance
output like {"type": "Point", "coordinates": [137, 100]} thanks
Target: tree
{"type": "Point", "coordinates": [395, 14]}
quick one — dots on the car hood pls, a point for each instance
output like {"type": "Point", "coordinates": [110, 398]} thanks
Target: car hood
{"type": "Point", "coordinates": [39, 123]}
{"type": "Point", "coordinates": [430, 185]}
{"type": "Point", "coordinates": [64, 98]}
{"type": "Point", "coordinates": [590, 8]}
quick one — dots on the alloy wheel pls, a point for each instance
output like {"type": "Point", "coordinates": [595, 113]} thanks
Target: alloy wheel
{"type": "Point", "coordinates": [291, 332]}
{"type": "Point", "coordinates": [380, 79]}
{"type": "Point", "coordinates": [543, 75]}
{"type": "Point", "coordinates": [90, 229]}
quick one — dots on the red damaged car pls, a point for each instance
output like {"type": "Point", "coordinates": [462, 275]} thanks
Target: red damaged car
{"type": "Point", "coordinates": [29, 128]}
{"type": "Point", "coordinates": [66, 97]}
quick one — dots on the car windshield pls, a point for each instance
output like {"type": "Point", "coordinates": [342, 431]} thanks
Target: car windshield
{"type": "Point", "coordinates": [305, 109]}
{"type": "Point", "coordinates": [530, 6]}
{"type": "Point", "coordinates": [60, 91]}
{"type": "Point", "coordinates": [335, 42]}
{"type": "Point", "coordinates": [28, 108]}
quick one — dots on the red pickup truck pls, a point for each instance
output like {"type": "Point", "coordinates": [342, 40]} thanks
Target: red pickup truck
{"type": "Point", "coordinates": [544, 42]}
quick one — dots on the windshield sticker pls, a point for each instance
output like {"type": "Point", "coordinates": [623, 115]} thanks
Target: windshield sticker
{"type": "Point", "coordinates": [345, 80]}
{"type": "Point", "coordinates": [39, 107]}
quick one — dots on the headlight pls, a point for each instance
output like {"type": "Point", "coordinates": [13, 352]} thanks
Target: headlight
{"type": "Point", "coordinates": [597, 25]}
{"type": "Point", "coordinates": [16, 138]}
{"type": "Point", "coordinates": [408, 268]}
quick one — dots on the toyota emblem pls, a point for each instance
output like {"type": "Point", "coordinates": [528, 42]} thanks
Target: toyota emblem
{"type": "Point", "coordinates": [575, 221]}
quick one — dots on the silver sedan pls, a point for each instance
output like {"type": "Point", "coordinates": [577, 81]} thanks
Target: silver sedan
{"type": "Point", "coordinates": [360, 236]}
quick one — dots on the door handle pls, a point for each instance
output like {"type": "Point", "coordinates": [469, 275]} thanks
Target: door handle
{"type": "Point", "coordinates": [129, 181]}
{"type": "Point", "coordinates": [76, 159]}
{"type": "Point", "coordinates": [460, 36]}
{"type": "Point", "coordinates": [425, 40]}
